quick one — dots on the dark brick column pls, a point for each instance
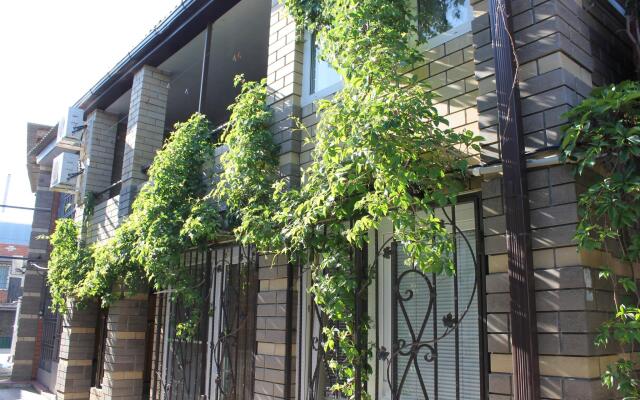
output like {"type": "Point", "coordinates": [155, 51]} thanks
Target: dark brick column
{"type": "Point", "coordinates": [77, 344]}
{"type": "Point", "coordinates": [125, 348]}
{"type": "Point", "coordinates": [561, 47]}
{"type": "Point", "coordinates": [25, 360]}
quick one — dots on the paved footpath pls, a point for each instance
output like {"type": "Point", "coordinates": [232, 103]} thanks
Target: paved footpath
{"type": "Point", "coordinates": [14, 393]}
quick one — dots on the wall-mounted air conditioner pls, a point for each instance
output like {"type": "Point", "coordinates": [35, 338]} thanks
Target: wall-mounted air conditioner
{"type": "Point", "coordinates": [64, 172]}
{"type": "Point", "coordinates": [70, 129]}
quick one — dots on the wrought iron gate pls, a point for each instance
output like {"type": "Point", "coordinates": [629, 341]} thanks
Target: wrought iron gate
{"type": "Point", "coordinates": [51, 331]}
{"type": "Point", "coordinates": [218, 361]}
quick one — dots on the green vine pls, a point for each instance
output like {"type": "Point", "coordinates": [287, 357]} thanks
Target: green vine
{"type": "Point", "coordinates": [603, 138]}
{"type": "Point", "coordinates": [169, 216]}
{"type": "Point", "coordinates": [382, 151]}
{"type": "Point", "coordinates": [374, 158]}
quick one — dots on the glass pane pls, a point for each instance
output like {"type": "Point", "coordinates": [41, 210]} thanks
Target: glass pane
{"type": "Point", "coordinates": [438, 16]}
{"type": "Point", "coordinates": [4, 277]}
{"type": "Point", "coordinates": [323, 75]}
{"type": "Point", "coordinates": [431, 362]}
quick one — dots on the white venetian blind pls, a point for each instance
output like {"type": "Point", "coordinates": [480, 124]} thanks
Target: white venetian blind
{"type": "Point", "coordinates": [439, 376]}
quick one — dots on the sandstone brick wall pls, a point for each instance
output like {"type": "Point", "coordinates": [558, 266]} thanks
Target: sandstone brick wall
{"type": "Point", "coordinates": [104, 221]}
{"type": "Point", "coordinates": [285, 87]}
{"type": "Point", "coordinates": [558, 49]}
{"type": "Point", "coordinates": [25, 357]}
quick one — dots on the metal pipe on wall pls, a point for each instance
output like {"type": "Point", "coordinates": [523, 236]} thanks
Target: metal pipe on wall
{"type": "Point", "coordinates": [524, 347]}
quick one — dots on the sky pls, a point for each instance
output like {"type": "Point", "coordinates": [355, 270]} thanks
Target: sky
{"type": "Point", "coordinates": [52, 53]}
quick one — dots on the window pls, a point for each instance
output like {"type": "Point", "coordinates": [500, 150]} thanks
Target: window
{"type": "Point", "coordinates": [4, 276]}
{"type": "Point", "coordinates": [442, 20]}
{"type": "Point", "coordinates": [429, 324]}
{"type": "Point", "coordinates": [320, 79]}
{"type": "Point", "coordinates": [427, 328]}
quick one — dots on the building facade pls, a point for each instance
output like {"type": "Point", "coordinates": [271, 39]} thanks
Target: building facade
{"type": "Point", "coordinates": [14, 240]}
{"type": "Point", "coordinates": [259, 336]}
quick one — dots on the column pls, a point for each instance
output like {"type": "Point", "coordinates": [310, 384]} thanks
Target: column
{"type": "Point", "coordinates": [98, 152]}
{"type": "Point", "coordinates": [561, 49]}
{"type": "Point", "coordinates": [77, 346]}
{"type": "Point", "coordinates": [145, 130]}
{"type": "Point", "coordinates": [275, 376]}
{"type": "Point", "coordinates": [26, 356]}
{"type": "Point", "coordinates": [125, 348]}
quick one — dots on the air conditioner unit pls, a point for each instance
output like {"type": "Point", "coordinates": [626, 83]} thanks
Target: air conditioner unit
{"type": "Point", "coordinates": [64, 172]}
{"type": "Point", "coordinates": [70, 128]}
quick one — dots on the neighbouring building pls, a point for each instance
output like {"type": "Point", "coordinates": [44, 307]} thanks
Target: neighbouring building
{"type": "Point", "coordinates": [14, 241]}
{"type": "Point", "coordinates": [187, 63]}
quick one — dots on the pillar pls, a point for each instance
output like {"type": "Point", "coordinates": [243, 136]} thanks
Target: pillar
{"type": "Point", "coordinates": [145, 130]}
{"type": "Point", "coordinates": [77, 345]}
{"type": "Point", "coordinates": [275, 376]}
{"type": "Point", "coordinates": [26, 355]}
{"type": "Point", "coordinates": [125, 348]}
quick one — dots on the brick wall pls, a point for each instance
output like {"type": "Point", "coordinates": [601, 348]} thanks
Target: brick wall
{"type": "Point", "coordinates": [273, 356]}
{"type": "Point", "coordinates": [557, 50]}
{"type": "Point", "coordinates": [77, 344]}
{"type": "Point", "coordinates": [25, 356]}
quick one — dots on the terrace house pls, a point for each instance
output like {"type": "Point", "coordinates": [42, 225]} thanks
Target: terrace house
{"type": "Point", "coordinates": [535, 335]}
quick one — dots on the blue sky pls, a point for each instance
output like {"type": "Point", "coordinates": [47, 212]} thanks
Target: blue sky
{"type": "Point", "coordinates": [52, 53]}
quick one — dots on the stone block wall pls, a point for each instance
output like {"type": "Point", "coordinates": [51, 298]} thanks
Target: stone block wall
{"type": "Point", "coordinates": [557, 52]}
{"type": "Point", "coordinates": [104, 221]}
{"type": "Point", "coordinates": [125, 348]}
{"type": "Point", "coordinates": [77, 344]}
{"type": "Point", "coordinates": [26, 356]}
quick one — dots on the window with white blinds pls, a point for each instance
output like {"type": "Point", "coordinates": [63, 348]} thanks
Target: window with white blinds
{"type": "Point", "coordinates": [451, 369]}
{"type": "Point", "coordinates": [435, 358]}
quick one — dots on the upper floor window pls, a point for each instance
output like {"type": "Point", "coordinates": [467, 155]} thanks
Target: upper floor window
{"type": "Point", "coordinates": [320, 79]}
{"type": "Point", "coordinates": [442, 20]}
{"type": "Point", "coordinates": [438, 22]}
{"type": "Point", "coordinates": [4, 276]}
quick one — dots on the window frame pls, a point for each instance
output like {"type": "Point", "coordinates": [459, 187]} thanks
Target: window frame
{"type": "Point", "coordinates": [308, 64]}
{"type": "Point", "coordinates": [381, 312]}
{"type": "Point", "coordinates": [308, 74]}
{"type": "Point", "coordinates": [6, 266]}
{"type": "Point", "coordinates": [619, 7]}
{"type": "Point", "coordinates": [446, 36]}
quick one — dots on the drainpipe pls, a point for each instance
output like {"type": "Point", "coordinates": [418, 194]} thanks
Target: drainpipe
{"type": "Point", "coordinates": [524, 347]}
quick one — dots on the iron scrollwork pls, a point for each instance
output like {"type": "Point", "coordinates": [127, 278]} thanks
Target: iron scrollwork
{"type": "Point", "coordinates": [417, 345]}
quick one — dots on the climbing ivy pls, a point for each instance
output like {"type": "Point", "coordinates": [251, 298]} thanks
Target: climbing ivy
{"type": "Point", "coordinates": [67, 263]}
{"type": "Point", "coordinates": [603, 139]}
{"type": "Point", "coordinates": [381, 151]}
{"type": "Point", "coordinates": [170, 215]}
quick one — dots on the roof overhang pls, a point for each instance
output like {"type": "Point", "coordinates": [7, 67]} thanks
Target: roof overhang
{"type": "Point", "coordinates": [35, 146]}
{"type": "Point", "coordinates": [189, 19]}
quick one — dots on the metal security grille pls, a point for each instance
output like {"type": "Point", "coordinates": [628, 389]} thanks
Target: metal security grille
{"type": "Point", "coordinates": [218, 361]}
{"type": "Point", "coordinates": [436, 348]}
{"type": "Point", "coordinates": [99, 347]}
{"type": "Point", "coordinates": [51, 331]}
